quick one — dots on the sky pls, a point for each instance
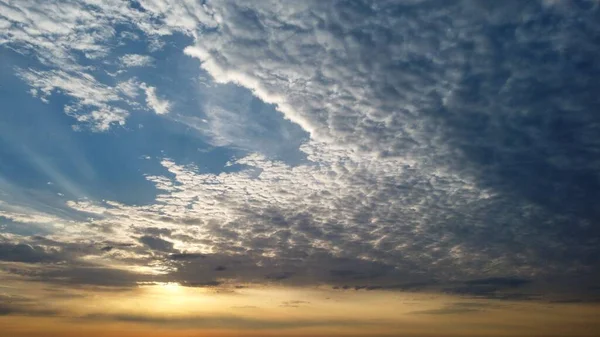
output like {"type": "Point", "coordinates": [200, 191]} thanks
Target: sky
{"type": "Point", "coordinates": [299, 168]}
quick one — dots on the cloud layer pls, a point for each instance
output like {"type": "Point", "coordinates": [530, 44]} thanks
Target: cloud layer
{"type": "Point", "coordinates": [449, 141]}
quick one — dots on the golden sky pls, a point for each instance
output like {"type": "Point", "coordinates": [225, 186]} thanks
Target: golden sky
{"type": "Point", "coordinates": [34, 309]}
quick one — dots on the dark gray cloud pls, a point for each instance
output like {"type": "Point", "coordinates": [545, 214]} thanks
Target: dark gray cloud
{"type": "Point", "coordinates": [455, 308]}
{"type": "Point", "coordinates": [279, 276]}
{"type": "Point", "coordinates": [91, 276]}
{"type": "Point", "coordinates": [154, 231]}
{"type": "Point", "coordinates": [23, 306]}
{"type": "Point", "coordinates": [156, 243]}
{"type": "Point", "coordinates": [76, 274]}
{"type": "Point", "coordinates": [206, 284]}
{"type": "Point", "coordinates": [13, 310]}
{"type": "Point", "coordinates": [294, 304]}
{"type": "Point", "coordinates": [224, 322]}
{"type": "Point", "coordinates": [499, 282]}
{"type": "Point", "coordinates": [22, 252]}
{"type": "Point", "coordinates": [494, 288]}
{"type": "Point", "coordinates": [489, 288]}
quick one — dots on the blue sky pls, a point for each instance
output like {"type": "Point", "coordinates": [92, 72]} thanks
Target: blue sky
{"type": "Point", "coordinates": [450, 146]}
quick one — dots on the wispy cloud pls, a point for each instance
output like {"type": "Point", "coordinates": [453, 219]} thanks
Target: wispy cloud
{"type": "Point", "coordinates": [136, 60]}
{"type": "Point", "coordinates": [66, 37]}
{"type": "Point", "coordinates": [160, 106]}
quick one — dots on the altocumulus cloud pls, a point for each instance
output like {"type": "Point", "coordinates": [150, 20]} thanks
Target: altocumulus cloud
{"type": "Point", "coordinates": [449, 140]}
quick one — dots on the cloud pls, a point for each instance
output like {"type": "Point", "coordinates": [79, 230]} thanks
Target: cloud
{"type": "Point", "coordinates": [293, 304]}
{"type": "Point", "coordinates": [185, 256]}
{"type": "Point", "coordinates": [494, 288]}
{"type": "Point", "coordinates": [455, 308]}
{"type": "Point", "coordinates": [90, 276]}
{"type": "Point", "coordinates": [224, 322]}
{"type": "Point", "coordinates": [136, 60]}
{"type": "Point", "coordinates": [446, 99]}
{"type": "Point", "coordinates": [499, 282]}
{"type": "Point", "coordinates": [6, 310]}
{"type": "Point", "coordinates": [53, 36]}
{"type": "Point", "coordinates": [411, 85]}
{"type": "Point", "coordinates": [27, 253]}
{"type": "Point", "coordinates": [445, 141]}
{"type": "Point", "coordinates": [235, 118]}
{"type": "Point", "coordinates": [206, 284]}
{"type": "Point", "coordinates": [160, 106]}
{"type": "Point", "coordinates": [65, 40]}
{"type": "Point", "coordinates": [279, 276]}
{"type": "Point", "coordinates": [92, 100]}
{"type": "Point", "coordinates": [156, 243]}
{"type": "Point", "coordinates": [294, 238]}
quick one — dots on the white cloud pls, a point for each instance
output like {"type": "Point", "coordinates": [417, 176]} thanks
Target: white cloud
{"type": "Point", "coordinates": [379, 212]}
{"type": "Point", "coordinates": [92, 99]}
{"type": "Point", "coordinates": [57, 35]}
{"type": "Point", "coordinates": [160, 106]}
{"type": "Point", "coordinates": [136, 60]}
{"type": "Point", "coordinates": [129, 88]}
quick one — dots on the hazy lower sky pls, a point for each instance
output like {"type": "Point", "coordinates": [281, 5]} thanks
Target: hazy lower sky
{"type": "Point", "coordinates": [216, 168]}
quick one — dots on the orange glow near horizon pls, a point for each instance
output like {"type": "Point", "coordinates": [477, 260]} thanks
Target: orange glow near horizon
{"type": "Point", "coordinates": [176, 311]}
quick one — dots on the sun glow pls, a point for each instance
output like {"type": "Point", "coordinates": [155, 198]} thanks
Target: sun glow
{"type": "Point", "coordinates": [170, 287]}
